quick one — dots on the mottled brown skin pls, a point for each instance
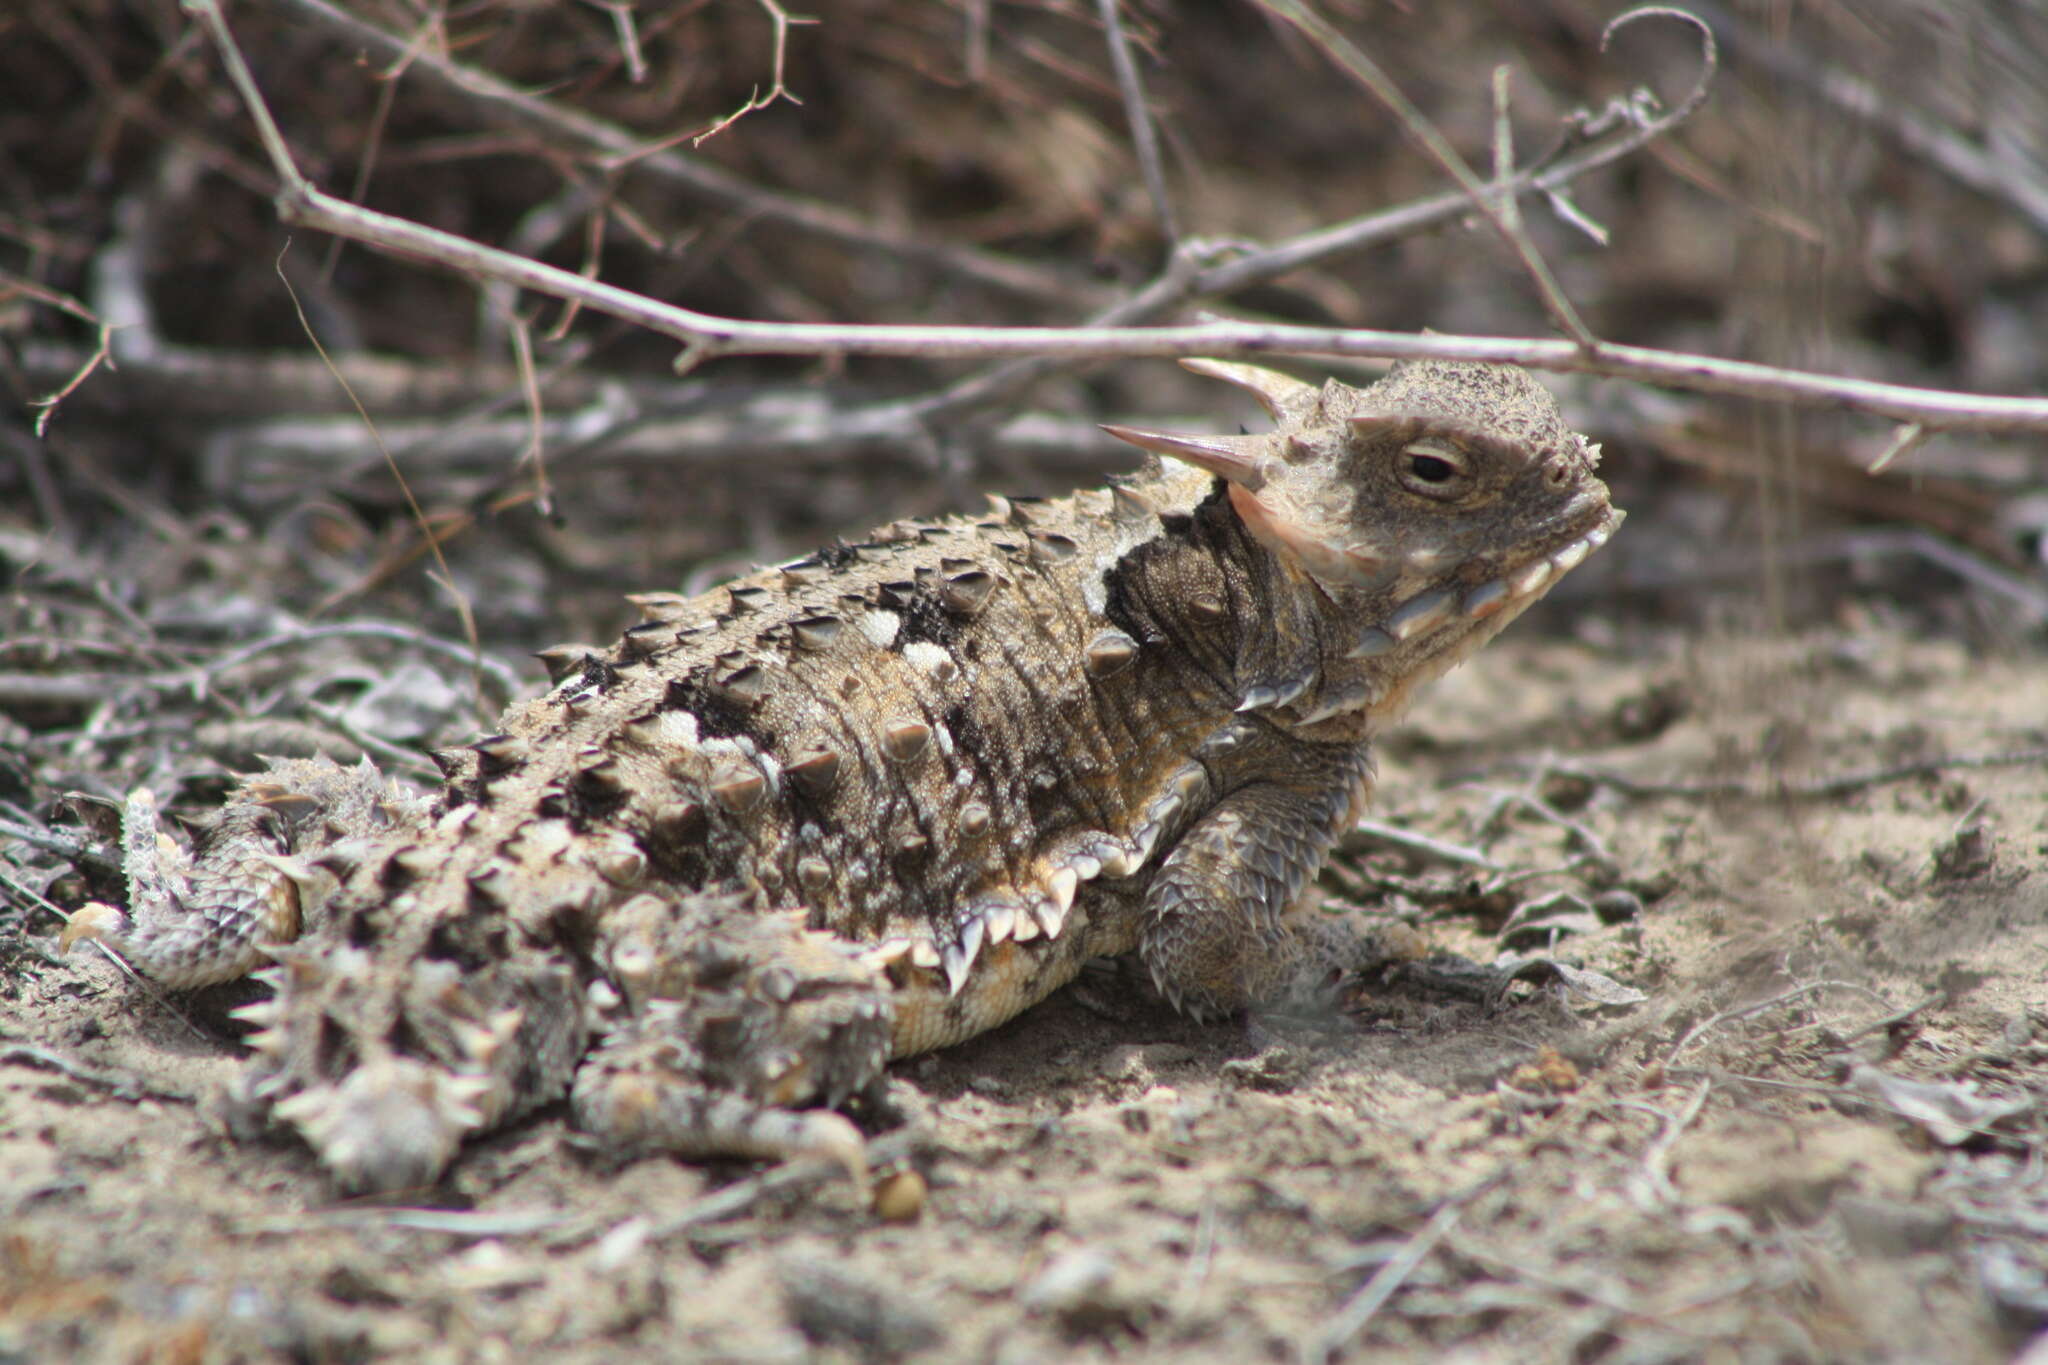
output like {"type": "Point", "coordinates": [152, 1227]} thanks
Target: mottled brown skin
{"type": "Point", "coordinates": [880, 800]}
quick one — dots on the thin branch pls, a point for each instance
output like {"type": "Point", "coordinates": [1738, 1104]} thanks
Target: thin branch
{"type": "Point", "coordinates": [705, 336]}
{"type": "Point", "coordinates": [121, 1085]}
{"type": "Point", "coordinates": [12, 284]}
{"type": "Point", "coordinates": [536, 414]}
{"type": "Point", "coordinates": [53, 689]}
{"type": "Point", "coordinates": [373, 136]}
{"type": "Point", "coordinates": [1365, 833]}
{"type": "Point", "coordinates": [419, 515]}
{"type": "Point", "coordinates": [1823, 789]}
{"type": "Point", "coordinates": [628, 35]}
{"type": "Point", "coordinates": [1206, 269]}
{"type": "Point", "coordinates": [1548, 176]}
{"type": "Point", "coordinates": [1139, 115]}
{"type": "Point", "coordinates": [1497, 210]}
{"type": "Point", "coordinates": [782, 19]}
{"type": "Point", "coordinates": [213, 382]}
{"type": "Point", "coordinates": [1706, 1026]}
{"type": "Point", "coordinates": [508, 105]}
{"type": "Point", "coordinates": [1203, 269]}
{"type": "Point", "coordinates": [74, 848]}
{"type": "Point", "coordinates": [391, 756]}
{"type": "Point", "coordinates": [1967, 162]}
{"type": "Point", "coordinates": [977, 41]}
{"type": "Point", "coordinates": [1348, 1321]}
{"type": "Point", "coordinates": [102, 354]}
{"type": "Point", "coordinates": [1907, 439]}
{"type": "Point", "coordinates": [1656, 1163]}
{"type": "Point", "coordinates": [507, 681]}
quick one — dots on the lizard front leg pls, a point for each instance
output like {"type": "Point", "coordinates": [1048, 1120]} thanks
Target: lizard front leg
{"type": "Point", "coordinates": [1228, 919]}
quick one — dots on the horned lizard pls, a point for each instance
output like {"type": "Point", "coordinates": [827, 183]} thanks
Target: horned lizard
{"type": "Point", "coordinates": [879, 799]}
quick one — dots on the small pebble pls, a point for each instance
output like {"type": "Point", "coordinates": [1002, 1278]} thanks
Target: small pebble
{"type": "Point", "coordinates": [900, 1197]}
{"type": "Point", "coordinates": [1618, 907]}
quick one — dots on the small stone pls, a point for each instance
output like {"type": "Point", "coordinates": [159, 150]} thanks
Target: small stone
{"type": "Point", "coordinates": [836, 1305]}
{"type": "Point", "coordinates": [900, 1197]}
{"type": "Point", "coordinates": [1618, 907]}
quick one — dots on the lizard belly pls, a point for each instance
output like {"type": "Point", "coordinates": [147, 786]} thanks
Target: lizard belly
{"type": "Point", "coordinates": [1009, 977]}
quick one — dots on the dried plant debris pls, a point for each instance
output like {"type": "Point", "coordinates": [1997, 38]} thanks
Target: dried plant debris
{"type": "Point", "coordinates": [1773, 760]}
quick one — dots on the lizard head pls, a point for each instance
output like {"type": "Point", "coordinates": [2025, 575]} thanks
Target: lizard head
{"type": "Point", "coordinates": [1429, 509]}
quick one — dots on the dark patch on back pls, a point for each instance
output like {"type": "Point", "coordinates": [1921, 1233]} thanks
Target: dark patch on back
{"type": "Point", "coordinates": [570, 929]}
{"type": "Point", "coordinates": [598, 674]}
{"type": "Point", "coordinates": [1050, 805]}
{"type": "Point", "coordinates": [407, 1040]}
{"type": "Point", "coordinates": [837, 555]}
{"type": "Point", "coordinates": [679, 864]}
{"type": "Point", "coordinates": [447, 944]}
{"type": "Point", "coordinates": [588, 807]}
{"type": "Point", "coordinates": [361, 930]}
{"type": "Point", "coordinates": [970, 741]}
{"type": "Point", "coordinates": [718, 715]}
{"type": "Point", "coordinates": [805, 807]}
{"type": "Point", "coordinates": [333, 1052]}
{"type": "Point", "coordinates": [552, 988]}
{"type": "Point", "coordinates": [581, 809]}
{"type": "Point", "coordinates": [471, 791]}
{"type": "Point", "coordinates": [925, 619]}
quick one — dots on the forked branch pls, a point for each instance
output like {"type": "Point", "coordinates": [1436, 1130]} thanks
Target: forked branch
{"type": "Point", "coordinates": [704, 336]}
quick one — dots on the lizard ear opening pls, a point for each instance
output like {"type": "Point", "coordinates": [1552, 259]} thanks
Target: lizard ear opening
{"type": "Point", "coordinates": [1282, 395]}
{"type": "Point", "coordinates": [1241, 460]}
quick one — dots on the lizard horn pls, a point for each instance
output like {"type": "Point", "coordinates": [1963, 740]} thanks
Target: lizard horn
{"type": "Point", "coordinates": [1242, 460]}
{"type": "Point", "coordinates": [1281, 395]}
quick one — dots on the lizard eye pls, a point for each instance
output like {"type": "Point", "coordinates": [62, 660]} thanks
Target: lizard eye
{"type": "Point", "coordinates": [1432, 469]}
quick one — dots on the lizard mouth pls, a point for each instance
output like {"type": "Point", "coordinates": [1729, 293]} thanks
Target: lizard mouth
{"type": "Point", "coordinates": [1441, 626]}
{"type": "Point", "coordinates": [1524, 584]}
{"type": "Point", "coordinates": [1505, 595]}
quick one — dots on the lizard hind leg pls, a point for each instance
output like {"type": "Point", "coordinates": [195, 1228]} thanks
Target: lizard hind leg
{"type": "Point", "coordinates": [386, 1065]}
{"type": "Point", "coordinates": [740, 1030]}
{"type": "Point", "coordinates": [212, 915]}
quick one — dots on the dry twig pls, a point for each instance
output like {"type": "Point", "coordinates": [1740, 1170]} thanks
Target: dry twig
{"type": "Point", "coordinates": [119, 1084]}
{"type": "Point", "coordinates": [1499, 206]}
{"type": "Point", "coordinates": [705, 336]}
{"type": "Point", "coordinates": [1144, 137]}
{"type": "Point", "coordinates": [782, 19]}
{"type": "Point", "coordinates": [1780, 789]}
{"type": "Point", "coordinates": [1708, 1025]}
{"type": "Point", "coordinates": [616, 146]}
{"type": "Point", "coordinates": [1348, 1321]}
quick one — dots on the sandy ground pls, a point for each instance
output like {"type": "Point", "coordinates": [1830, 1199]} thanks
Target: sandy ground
{"type": "Point", "coordinates": [1818, 1135]}
{"type": "Point", "coordinates": [1771, 1082]}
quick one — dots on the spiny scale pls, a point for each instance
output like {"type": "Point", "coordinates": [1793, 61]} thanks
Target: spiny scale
{"type": "Point", "coordinates": [972, 752]}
